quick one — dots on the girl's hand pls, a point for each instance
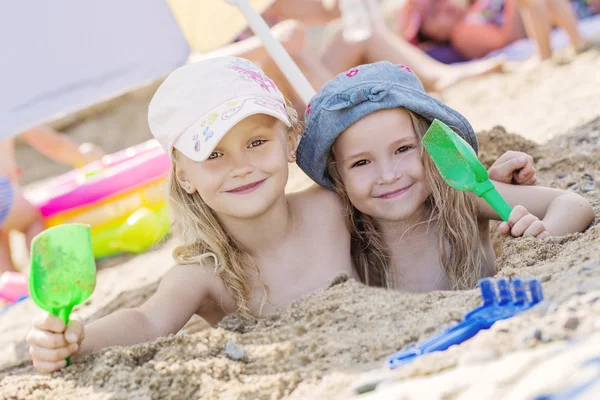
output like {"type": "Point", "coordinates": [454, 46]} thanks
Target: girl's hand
{"type": "Point", "coordinates": [522, 223]}
{"type": "Point", "coordinates": [51, 341]}
{"type": "Point", "coordinates": [513, 167]}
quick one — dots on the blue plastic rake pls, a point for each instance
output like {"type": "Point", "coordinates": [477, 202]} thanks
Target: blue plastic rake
{"type": "Point", "coordinates": [499, 302]}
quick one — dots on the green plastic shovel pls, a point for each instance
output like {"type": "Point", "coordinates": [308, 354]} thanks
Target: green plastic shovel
{"type": "Point", "coordinates": [63, 270]}
{"type": "Point", "coordinates": [458, 165]}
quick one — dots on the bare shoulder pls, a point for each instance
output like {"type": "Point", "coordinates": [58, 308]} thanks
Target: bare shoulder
{"type": "Point", "coordinates": [316, 206]}
{"type": "Point", "coordinates": [316, 197]}
{"type": "Point", "coordinates": [196, 279]}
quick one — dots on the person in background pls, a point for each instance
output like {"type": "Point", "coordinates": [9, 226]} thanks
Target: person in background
{"type": "Point", "coordinates": [289, 20]}
{"type": "Point", "coordinates": [16, 212]}
{"type": "Point", "coordinates": [483, 26]}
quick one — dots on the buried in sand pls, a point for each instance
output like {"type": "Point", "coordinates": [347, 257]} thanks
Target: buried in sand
{"type": "Point", "coordinates": [332, 344]}
{"type": "Point", "coordinates": [315, 347]}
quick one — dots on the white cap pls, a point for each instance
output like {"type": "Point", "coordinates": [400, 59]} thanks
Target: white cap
{"type": "Point", "coordinates": [199, 103]}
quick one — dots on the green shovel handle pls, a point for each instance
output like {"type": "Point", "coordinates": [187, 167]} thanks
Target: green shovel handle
{"type": "Point", "coordinates": [64, 314]}
{"type": "Point", "coordinates": [498, 203]}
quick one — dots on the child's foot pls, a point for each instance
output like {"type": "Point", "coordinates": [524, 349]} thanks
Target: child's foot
{"type": "Point", "coordinates": [531, 63]}
{"type": "Point", "coordinates": [456, 73]}
{"type": "Point", "coordinates": [568, 55]}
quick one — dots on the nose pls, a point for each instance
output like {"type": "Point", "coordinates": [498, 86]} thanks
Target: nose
{"type": "Point", "coordinates": [242, 166]}
{"type": "Point", "coordinates": [388, 173]}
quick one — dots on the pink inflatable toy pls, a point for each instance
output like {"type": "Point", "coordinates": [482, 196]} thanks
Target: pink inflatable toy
{"type": "Point", "coordinates": [116, 173]}
{"type": "Point", "coordinates": [13, 287]}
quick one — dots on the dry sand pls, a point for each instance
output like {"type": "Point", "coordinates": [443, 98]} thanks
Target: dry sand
{"type": "Point", "coordinates": [332, 344]}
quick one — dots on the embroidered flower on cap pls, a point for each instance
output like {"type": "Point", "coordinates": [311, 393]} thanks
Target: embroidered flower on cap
{"type": "Point", "coordinates": [209, 119]}
{"type": "Point", "coordinates": [196, 143]}
{"type": "Point", "coordinates": [249, 71]}
{"type": "Point", "coordinates": [207, 133]}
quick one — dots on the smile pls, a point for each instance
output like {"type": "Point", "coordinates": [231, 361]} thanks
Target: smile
{"type": "Point", "coordinates": [249, 188]}
{"type": "Point", "coordinates": [394, 193]}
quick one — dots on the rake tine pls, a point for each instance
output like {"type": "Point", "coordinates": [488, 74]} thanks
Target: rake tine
{"type": "Point", "coordinates": [535, 288]}
{"type": "Point", "coordinates": [488, 294]}
{"type": "Point", "coordinates": [503, 291]}
{"type": "Point", "coordinates": [519, 295]}
{"type": "Point", "coordinates": [498, 304]}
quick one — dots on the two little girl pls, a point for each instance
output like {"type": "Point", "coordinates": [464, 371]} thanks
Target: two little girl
{"type": "Point", "coordinates": [248, 247]}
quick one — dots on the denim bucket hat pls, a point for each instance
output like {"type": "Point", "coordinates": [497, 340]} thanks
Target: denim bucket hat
{"type": "Point", "coordinates": [361, 91]}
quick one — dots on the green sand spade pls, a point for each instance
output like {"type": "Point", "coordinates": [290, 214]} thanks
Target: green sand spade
{"type": "Point", "coordinates": [458, 165]}
{"type": "Point", "coordinates": [63, 270]}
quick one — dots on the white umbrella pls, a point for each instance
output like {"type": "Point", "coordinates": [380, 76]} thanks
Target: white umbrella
{"type": "Point", "coordinates": [61, 56]}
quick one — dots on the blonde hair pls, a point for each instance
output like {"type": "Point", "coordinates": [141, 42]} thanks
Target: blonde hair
{"type": "Point", "coordinates": [203, 236]}
{"type": "Point", "coordinates": [453, 214]}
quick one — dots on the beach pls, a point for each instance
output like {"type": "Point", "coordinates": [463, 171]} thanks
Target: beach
{"type": "Point", "coordinates": [333, 344]}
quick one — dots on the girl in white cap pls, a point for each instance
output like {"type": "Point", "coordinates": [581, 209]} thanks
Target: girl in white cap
{"type": "Point", "coordinates": [231, 137]}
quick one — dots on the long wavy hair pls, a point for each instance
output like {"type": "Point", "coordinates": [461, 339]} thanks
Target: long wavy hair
{"type": "Point", "coordinates": [205, 241]}
{"type": "Point", "coordinates": [452, 213]}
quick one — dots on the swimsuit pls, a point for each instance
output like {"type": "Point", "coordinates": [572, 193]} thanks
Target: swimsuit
{"type": "Point", "coordinates": [6, 198]}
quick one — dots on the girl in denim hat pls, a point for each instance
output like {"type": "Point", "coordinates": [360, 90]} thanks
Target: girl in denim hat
{"type": "Point", "coordinates": [409, 229]}
{"type": "Point", "coordinates": [246, 246]}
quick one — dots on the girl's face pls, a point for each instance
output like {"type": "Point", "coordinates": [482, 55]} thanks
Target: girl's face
{"type": "Point", "coordinates": [379, 162]}
{"type": "Point", "coordinates": [246, 173]}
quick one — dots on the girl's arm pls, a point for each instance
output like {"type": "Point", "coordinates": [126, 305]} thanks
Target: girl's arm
{"type": "Point", "coordinates": [183, 291]}
{"type": "Point", "coordinates": [179, 296]}
{"type": "Point", "coordinates": [560, 212]}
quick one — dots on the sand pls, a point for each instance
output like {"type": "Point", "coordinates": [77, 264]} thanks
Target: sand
{"type": "Point", "coordinates": [333, 343]}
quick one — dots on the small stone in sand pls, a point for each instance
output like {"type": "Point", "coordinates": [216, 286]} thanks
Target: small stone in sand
{"type": "Point", "coordinates": [366, 387]}
{"type": "Point", "coordinates": [571, 323]}
{"type": "Point", "coordinates": [234, 351]}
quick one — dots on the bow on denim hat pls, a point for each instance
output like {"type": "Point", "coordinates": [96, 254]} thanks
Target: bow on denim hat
{"type": "Point", "coordinates": [352, 96]}
{"type": "Point", "coordinates": [359, 95]}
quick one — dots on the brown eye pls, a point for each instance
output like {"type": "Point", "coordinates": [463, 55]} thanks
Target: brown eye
{"type": "Point", "coordinates": [360, 163]}
{"type": "Point", "coordinates": [257, 143]}
{"type": "Point", "coordinates": [403, 149]}
{"type": "Point", "coordinates": [214, 154]}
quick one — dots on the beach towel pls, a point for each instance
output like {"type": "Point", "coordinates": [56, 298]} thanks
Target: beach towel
{"type": "Point", "coordinates": [519, 50]}
{"type": "Point", "coordinates": [525, 48]}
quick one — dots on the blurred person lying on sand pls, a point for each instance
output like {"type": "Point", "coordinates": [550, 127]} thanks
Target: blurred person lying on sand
{"type": "Point", "coordinates": [289, 19]}
{"type": "Point", "coordinates": [482, 26]}
{"type": "Point", "coordinates": [16, 213]}
{"type": "Point", "coordinates": [411, 230]}
{"type": "Point", "coordinates": [246, 245]}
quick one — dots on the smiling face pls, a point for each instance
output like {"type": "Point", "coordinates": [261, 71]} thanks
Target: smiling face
{"type": "Point", "coordinates": [247, 171]}
{"type": "Point", "coordinates": [379, 162]}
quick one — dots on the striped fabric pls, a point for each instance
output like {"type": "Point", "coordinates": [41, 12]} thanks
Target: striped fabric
{"type": "Point", "coordinates": [6, 198]}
